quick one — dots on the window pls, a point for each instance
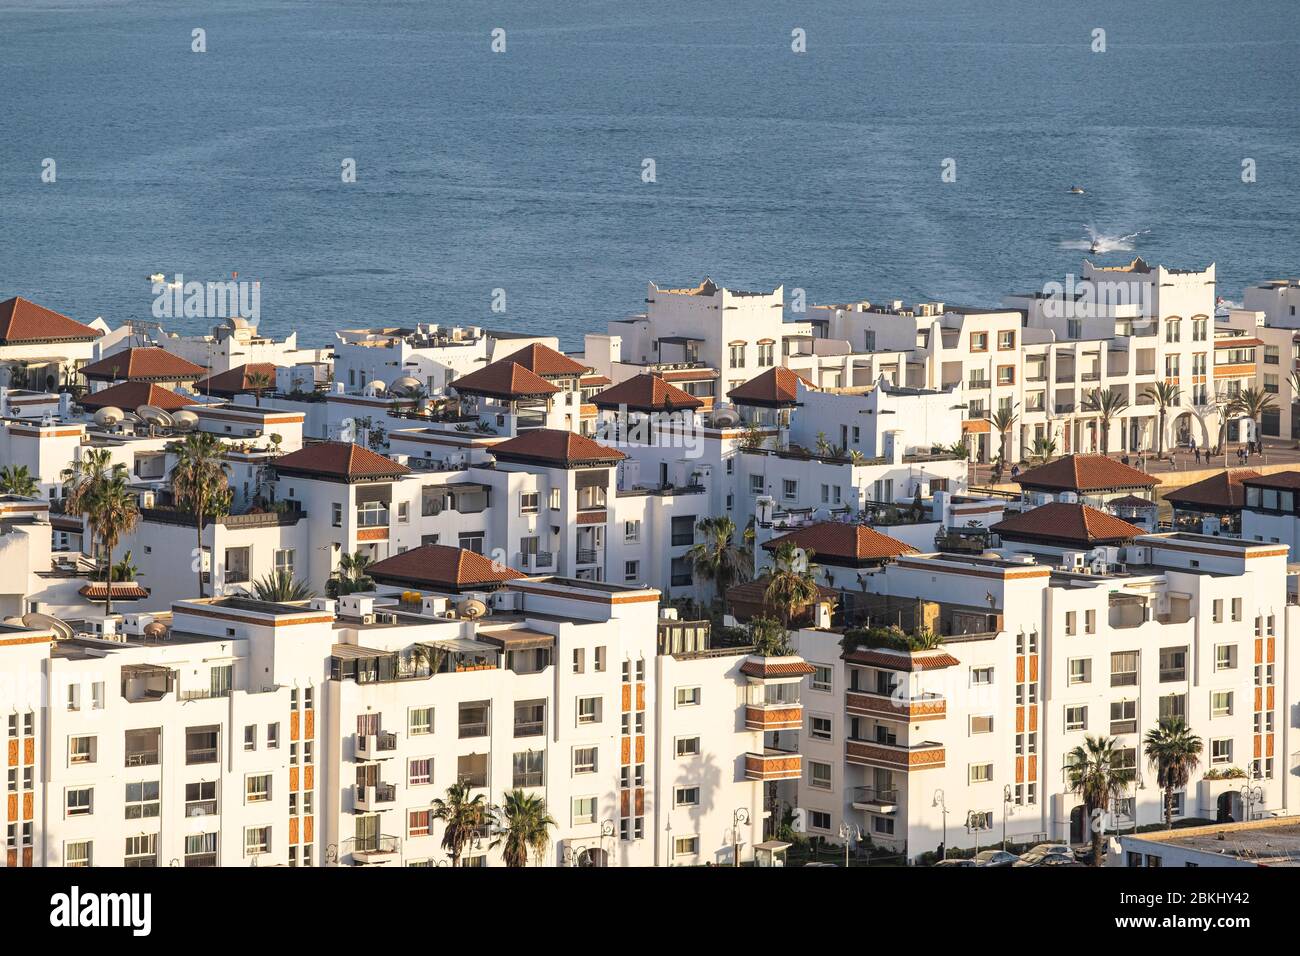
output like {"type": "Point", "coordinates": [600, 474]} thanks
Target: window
{"type": "Point", "coordinates": [336, 514]}
{"type": "Point", "coordinates": [1090, 622]}
{"type": "Point", "coordinates": [790, 489]}
{"type": "Point", "coordinates": [201, 849]}
{"type": "Point", "coordinates": [77, 854]}
{"type": "Point", "coordinates": [419, 721]}
{"type": "Point", "coordinates": [681, 574]}
{"type": "Point", "coordinates": [201, 744]}
{"type": "Point", "coordinates": [419, 771]}
{"type": "Point", "coordinates": [472, 769]}
{"type": "Point", "coordinates": [821, 678]}
{"type": "Point", "coordinates": [1173, 663]}
{"type": "Point", "coordinates": [688, 746]}
{"type": "Point", "coordinates": [819, 727]}
{"type": "Point", "coordinates": [257, 840]}
{"type": "Point", "coordinates": [819, 820]}
{"type": "Point", "coordinates": [141, 800]}
{"type": "Point", "coordinates": [1216, 611]}
{"type": "Point", "coordinates": [80, 802]}
{"type": "Point", "coordinates": [529, 503]}
{"type": "Point", "coordinates": [980, 676]}
{"type": "Point", "coordinates": [584, 760]}
{"type": "Point", "coordinates": [1173, 330]}
{"type": "Point", "coordinates": [631, 571]}
{"type": "Point", "coordinates": [819, 775]}
{"type": "Point", "coordinates": [688, 696]}
{"type": "Point", "coordinates": [584, 810]}
{"type": "Point", "coordinates": [1076, 718]}
{"type": "Point", "coordinates": [1006, 374]}
{"type": "Point", "coordinates": [141, 850]}
{"type": "Point", "coordinates": [600, 659]}
{"type": "Point", "coordinates": [1225, 657]}
{"type": "Point", "coordinates": [981, 725]}
{"type": "Point", "coordinates": [683, 530]}
{"type": "Point", "coordinates": [1221, 750]}
{"type": "Point", "coordinates": [1006, 341]}
{"type": "Point", "coordinates": [236, 565]}
{"type": "Point", "coordinates": [201, 798]}
{"type": "Point", "coordinates": [765, 354]}
{"type": "Point", "coordinates": [82, 750]}
{"type": "Point", "coordinates": [74, 697]}
{"type": "Point", "coordinates": [417, 823]}
{"type": "Point", "coordinates": [273, 736]}
{"type": "Point", "coordinates": [1173, 705]}
{"type": "Point", "coordinates": [1124, 669]}
{"type": "Point", "coordinates": [284, 558]}
{"type": "Point", "coordinates": [257, 788]}
{"type": "Point", "coordinates": [579, 660]}
{"type": "Point", "coordinates": [472, 720]}
{"type": "Point", "coordinates": [250, 737]}
{"type": "Point", "coordinates": [736, 356]}
{"type": "Point", "coordinates": [530, 718]}
{"type": "Point", "coordinates": [1221, 703]}
{"type": "Point", "coordinates": [1069, 623]}
{"type": "Point", "coordinates": [529, 768]}
{"type": "Point", "coordinates": [979, 341]}
{"type": "Point", "coordinates": [1123, 717]}
{"type": "Point", "coordinates": [686, 846]}
{"type": "Point", "coordinates": [981, 772]}
{"type": "Point", "coordinates": [756, 486]}
{"type": "Point", "coordinates": [588, 710]}
{"type": "Point", "coordinates": [1080, 670]}
{"type": "Point", "coordinates": [686, 797]}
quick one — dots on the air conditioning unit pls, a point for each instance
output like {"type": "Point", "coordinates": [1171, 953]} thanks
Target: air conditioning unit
{"type": "Point", "coordinates": [367, 619]}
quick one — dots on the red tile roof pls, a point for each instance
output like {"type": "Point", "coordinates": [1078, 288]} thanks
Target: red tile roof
{"type": "Point", "coordinates": [1085, 473]}
{"type": "Point", "coordinates": [439, 566]}
{"type": "Point", "coordinates": [763, 667]}
{"type": "Point", "coordinates": [1279, 479]}
{"type": "Point", "coordinates": [504, 380]}
{"type": "Point", "coordinates": [333, 459]}
{"type": "Point", "coordinates": [1068, 523]}
{"type": "Point", "coordinates": [544, 361]}
{"type": "Point", "coordinates": [235, 381]}
{"type": "Point", "coordinates": [129, 396]}
{"type": "Point", "coordinates": [553, 446]}
{"type": "Point", "coordinates": [776, 387]}
{"type": "Point", "coordinates": [25, 321]}
{"type": "Point", "coordinates": [1223, 490]}
{"type": "Point", "coordinates": [894, 660]}
{"type": "Point", "coordinates": [122, 591]}
{"type": "Point", "coordinates": [645, 393]}
{"type": "Point", "coordinates": [149, 364]}
{"type": "Point", "coordinates": [839, 542]}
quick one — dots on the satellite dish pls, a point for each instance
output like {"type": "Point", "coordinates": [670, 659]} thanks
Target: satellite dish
{"type": "Point", "coordinates": [156, 630]}
{"type": "Point", "coordinates": [108, 416]}
{"type": "Point", "coordinates": [185, 420]}
{"type": "Point", "coordinates": [407, 382]}
{"type": "Point", "coordinates": [471, 609]}
{"type": "Point", "coordinates": [44, 622]}
{"type": "Point", "coordinates": [726, 416]}
{"type": "Point", "coordinates": [374, 388]}
{"type": "Point", "coordinates": [154, 415]}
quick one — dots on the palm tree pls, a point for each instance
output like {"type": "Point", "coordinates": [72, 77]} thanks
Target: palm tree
{"type": "Point", "coordinates": [1165, 395]}
{"type": "Point", "coordinates": [524, 828]}
{"type": "Point", "coordinates": [769, 637]}
{"type": "Point", "coordinates": [199, 484]}
{"type": "Point", "coordinates": [461, 814]}
{"type": "Point", "coordinates": [1253, 403]}
{"type": "Point", "coordinates": [280, 587]}
{"type": "Point", "coordinates": [1174, 752]}
{"type": "Point", "coordinates": [1092, 774]}
{"type": "Point", "coordinates": [17, 480]}
{"type": "Point", "coordinates": [716, 558]}
{"type": "Point", "coordinates": [257, 383]}
{"type": "Point", "coordinates": [1107, 405]}
{"type": "Point", "coordinates": [82, 477]}
{"type": "Point", "coordinates": [792, 585]}
{"type": "Point", "coordinates": [1044, 449]}
{"type": "Point", "coordinates": [1003, 420]}
{"type": "Point", "coordinates": [351, 575]}
{"type": "Point", "coordinates": [113, 512]}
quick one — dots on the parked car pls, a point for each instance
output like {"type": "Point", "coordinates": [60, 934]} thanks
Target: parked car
{"type": "Point", "coordinates": [1042, 852]}
{"type": "Point", "coordinates": [955, 863]}
{"type": "Point", "coordinates": [995, 858]}
{"type": "Point", "coordinates": [1062, 849]}
{"type": "Point", "coordinates": [1058, 859]}
{"type": "Point", "coordinates": [821, 864]}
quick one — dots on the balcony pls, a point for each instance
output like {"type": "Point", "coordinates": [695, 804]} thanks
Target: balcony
{"type": "Point", "coordinates": [530, 728]}
{"type": "Point", "coordinates": [895, 707]}
{"type": "Point", "coordinates": [977, 383]}
{"type": "Point", "coordinates": [378, 797]}
{"type": "Point", "coordinates": [773, 764]}
{"type": "Point", "coordinates": [381, 849]}
{"type": "Point", "coordinates": [926, 755]}
{"type": "Point", "coordinates": [536, 562]}
{"type": "Point", "coordinates": [778, 716]}
{"type": "Point", "coordinates": [585, 556]}
{"type": "Point", "coordinates": [380, 746]}
{"type": "Point", "coordinates": [875, 799]}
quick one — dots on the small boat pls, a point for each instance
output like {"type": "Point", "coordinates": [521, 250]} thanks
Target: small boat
{"type": "Point", "coordinates": [1095, 247]}
{"type": "Point", "coordinates": [157, 278]}
{"type": "Point", "coordinates": [1076, 190]}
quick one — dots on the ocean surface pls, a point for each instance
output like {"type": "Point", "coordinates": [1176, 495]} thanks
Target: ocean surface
{"type": "Point", "coordinates": [522, 170]}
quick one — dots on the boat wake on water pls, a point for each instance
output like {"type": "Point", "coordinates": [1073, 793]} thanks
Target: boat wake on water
{"type": "Point", "coordinates": [1099, 242]}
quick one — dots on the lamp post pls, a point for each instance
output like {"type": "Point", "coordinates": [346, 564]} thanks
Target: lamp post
{"type": "Point", "coordinates": [739, 818]}
{"type": "Point", "coordinates": [1006, 802]}
{"type": "Point", "coordinates": [938, 802]}
{"type": "Point", "coordinates": [848, 833]}
{"type": "Point", "coordinates": [1250, 791]}
{"type": "Point", "coordinates": [971, 828]}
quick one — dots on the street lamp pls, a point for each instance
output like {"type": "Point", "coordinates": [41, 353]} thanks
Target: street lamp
{"type": "Point", "coordinates": [1251, 791]}
{"type": "Point", "coordinates": [938, 802]}
{"type": "Point", "coordinates": [739, 818]}
{"type": "Point", "coordinates": [848, 833]}
{"type": "Point", "coordinates": [1006, 801]}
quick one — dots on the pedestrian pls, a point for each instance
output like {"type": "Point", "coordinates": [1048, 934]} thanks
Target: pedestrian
{"type": "Point", "coordinates": [1197, 452]}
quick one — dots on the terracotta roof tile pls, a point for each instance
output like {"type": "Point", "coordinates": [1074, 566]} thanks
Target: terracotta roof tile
{"type": "Point", "coordinates": [776, 667]}
{"type": "Point", "coordinates": [235, 381]}
{"type": "Point", "coordinates": [333, 459]}
{"type": "Point", "coordinates": [439, 566]}
{"type": "Point", "coordinates": [129, 396]}
{"type": "Point", "coordinates": [544, 361]}
{"type": "Point", "coordinates": [122, 591]}
{"type": "Point", "coordinates": [1066, 522]}
{"type": "Point", "coordinates": [145, 364]}
{"type": "Point", "coordinates": [504, 380]}
{"type": "Point", "coordinates": [894, 660]}
{"type": "Point", "coordinates": [1280, 479]}
{"type": "Point", "coordinates": [777, 386]}
{"type": "Point", "coordinates": [645, 393]}
{"type": "Point", "coordinates": [1223, 490]}
{"type": "Point", "coordinates": [835, 541]}
{"type": "Point", "coordinates": [25, 321]}
{"type": "Point", "coordinates": [1085, 473]}
{"type": "Point", "coordinates": [552, 446]}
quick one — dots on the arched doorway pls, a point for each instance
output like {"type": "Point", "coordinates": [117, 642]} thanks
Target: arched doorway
{"type": "Point", "coordinates": [1228, 809]}
{"type": "Point", "coordinates": [591, 856]}
{"type": "Point", "coordinates": [1185, 426]}
{"type": "Point", "coordinates": [1078, 828]}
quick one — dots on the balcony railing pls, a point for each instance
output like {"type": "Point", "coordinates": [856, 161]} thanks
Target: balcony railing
{"type": "Point", "coordinates": [372, 518]}
{"type": "Point", "coordinates": [536, 561]}
{"type": "Point", "coordinates": [776, 716]}
{"type": "Point", "coordinates": [200, 808]}
{"type": "Point", "coordinates": [195, 755]}
{"type": "Point", "coordinates": [376, 746]}
{"type": "Point", "coordinates": [773, 764]}
{"type": "Point", "coordinates": [586, 556]}
{"type": "Point", "coordinates": [530, 728]}
{"type": "Point", "coordinates": [924, 755]}
{"type": "Point", "coordinates": [1172, 674]}
{"type": "Point", "coordinates": [375, 849]}
{"type": "Point", "coordinates": [876, 799]}
{"type": "Point", "coordinates": [142, 758]}
{"type": "Point", "coordinates": [865, 703]}
{"type": "Point", "coordinates": [474, 728]}
{"type": "Point", "coordinates": [377, 797]}
{"type": "Point", "coordinates": [201, 859]}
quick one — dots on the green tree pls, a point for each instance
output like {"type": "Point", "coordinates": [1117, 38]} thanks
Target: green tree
{"type": "Point", "coordinates": [770, 637]}
{"type": "Point", "coordinates": [1091, 773]}
{"type": "Point", "coordinates": [17, 480]}
{"type": "Point", "coordinates": [1174, 752]}
{"type": "Point", "coordinates": [1002, 421]}
{"type": "Point", "coordinates": [462, 815]}
{"type": "Point", "coordinates": [1165, 395]}
{"type": "Point", "coordinates": [280, 587]}
{"type": "Point", "coordinates": [112, 512]}
{"type": "Point", "coordinates": [1045, 449]}
{"type": "Point", "coordinates": [258, 383]}
{"type": "Point", "coordinates": [1253, 403]}
{"type": "Point", "coordinates": [525, 828]}
{"type": "Point", "coordinates": [793, 584]}
{"type": "Point", "coordinates": [1107, 405]}
{"type": "Point", "coordinates": [716, 557]}
{"type": "Point", "coordinates": [200, 485]}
